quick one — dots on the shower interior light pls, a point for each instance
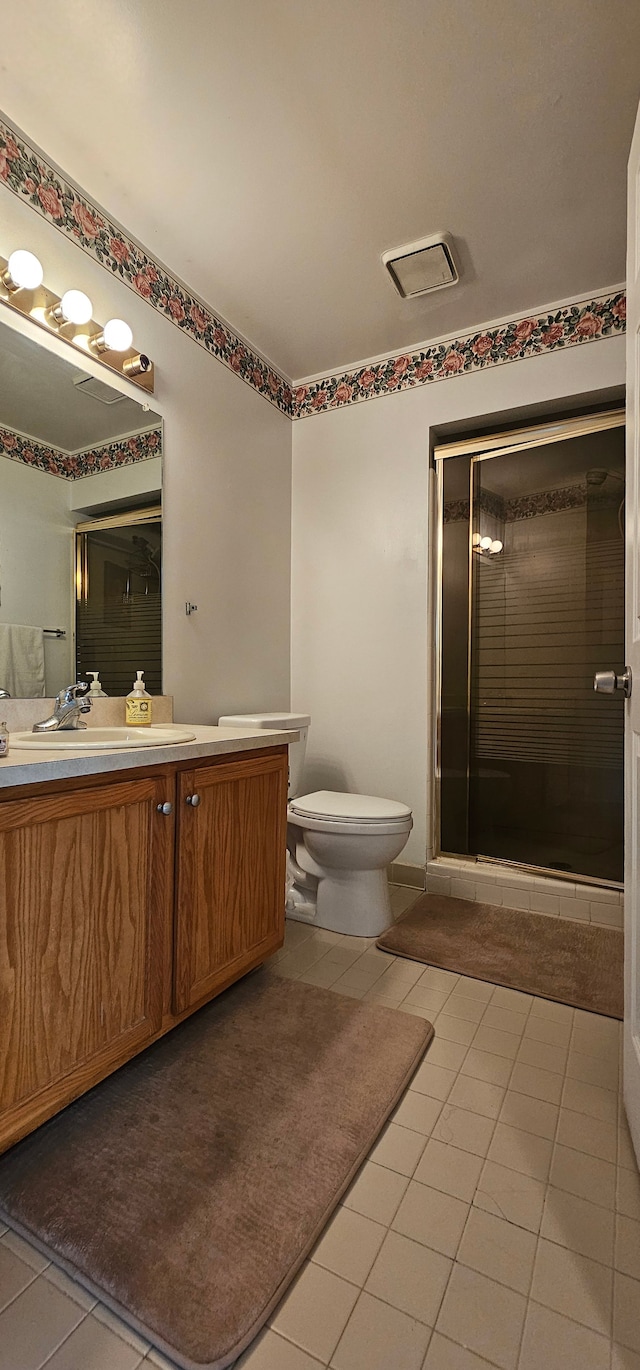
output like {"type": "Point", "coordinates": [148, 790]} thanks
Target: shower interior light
{"type": "Point", "coordinates": [74, 307]}
{"type": "Point", "coordinates": [24, 271]}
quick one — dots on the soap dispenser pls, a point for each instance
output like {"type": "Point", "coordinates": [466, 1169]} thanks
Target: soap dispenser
{"type": "Point", "coordinates": [138, 704]}
{"type": "Point", "coordinates": [95, 690]}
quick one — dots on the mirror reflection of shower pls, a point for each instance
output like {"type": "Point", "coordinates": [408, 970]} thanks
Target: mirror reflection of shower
{"type": "Point", "coordinates": [119, 600]}
{"type": "Point", "coordinates": [143, 564]}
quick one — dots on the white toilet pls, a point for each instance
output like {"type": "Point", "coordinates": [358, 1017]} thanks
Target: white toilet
{"type": "Point", "coordinates": [339, 844]}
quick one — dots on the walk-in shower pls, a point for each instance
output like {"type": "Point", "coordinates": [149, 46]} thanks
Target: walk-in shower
{"type": "Point", "coordinates": [530, 757]}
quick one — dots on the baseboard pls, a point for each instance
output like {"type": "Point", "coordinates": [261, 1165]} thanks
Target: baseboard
{"type": "Point", "coordinates": [413, 876]}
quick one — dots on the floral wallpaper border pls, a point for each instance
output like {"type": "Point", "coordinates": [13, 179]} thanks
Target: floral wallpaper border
{"type": "Point", "coordinates": [545, 502]}
{"type": "Point", "coordinates": [73, 466]}
{"type": "Point", "coordinates": [528, 506]}
{"type": "Point", "coordinates": [27, 174]}
{"type": "Point", "coordinates": [571, 324]}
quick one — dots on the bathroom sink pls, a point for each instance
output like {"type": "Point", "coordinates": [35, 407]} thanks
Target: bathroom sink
{"type": "Point", "coordinates": [99, 739]}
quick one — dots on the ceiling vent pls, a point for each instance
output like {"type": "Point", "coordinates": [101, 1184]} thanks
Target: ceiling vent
{"type": "Point", "coordinates": [420, 267]}
{"type": "Point", "coordinates": [90, 385]}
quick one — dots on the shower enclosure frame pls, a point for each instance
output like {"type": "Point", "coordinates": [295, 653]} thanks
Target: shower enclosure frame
{"type": "Point", "coordinates": [487, 447]}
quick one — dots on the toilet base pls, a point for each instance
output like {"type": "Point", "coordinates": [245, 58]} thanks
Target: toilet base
{"type": "Point", "coordinates": [356, 903]}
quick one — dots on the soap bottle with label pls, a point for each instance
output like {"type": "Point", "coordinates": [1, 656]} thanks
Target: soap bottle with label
{"type": "Point", "coordinates": [138, 704]}
{"type": "Point", "coordinates": [95, 690]}
{"type": "Point", "coordinates": [4, 740]}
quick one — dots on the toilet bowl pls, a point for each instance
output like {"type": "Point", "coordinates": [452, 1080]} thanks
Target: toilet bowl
{"type": "Point", "coordinates": [339, 845]}
{"type": "Point", "coordinates": [339, 848]}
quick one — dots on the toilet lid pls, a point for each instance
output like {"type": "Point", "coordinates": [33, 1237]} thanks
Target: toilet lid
{"type": "Point", "coordinates": [330, 804]}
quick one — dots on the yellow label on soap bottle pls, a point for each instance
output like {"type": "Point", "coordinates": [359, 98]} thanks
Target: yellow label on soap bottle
{"type": "Point", "coordinates": [138, 711]}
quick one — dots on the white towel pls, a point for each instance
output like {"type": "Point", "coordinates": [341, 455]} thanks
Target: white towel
{"type": "Point", "coordinates": [22, 660]}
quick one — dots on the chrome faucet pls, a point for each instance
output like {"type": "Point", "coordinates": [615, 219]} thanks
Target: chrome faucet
{"type": "Point", "coordinates": [70, 704]}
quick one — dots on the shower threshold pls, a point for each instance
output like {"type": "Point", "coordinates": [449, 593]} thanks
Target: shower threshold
{"type": "Point", "coordinates": [545, 872]}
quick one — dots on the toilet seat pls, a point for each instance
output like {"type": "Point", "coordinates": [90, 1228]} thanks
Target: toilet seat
{"type": "Point", "coordinates": [335, 804]}
{"type": "Point", "coordinates": [333, 811]}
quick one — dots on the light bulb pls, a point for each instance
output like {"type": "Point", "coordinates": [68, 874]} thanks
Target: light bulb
{"type": "Point", "coordinates": [485, 543]}
{"type": "Point", "coordinates": [75, 307]}
{"type": "Point", "coordinates": [117, 335]}
{"type": "Point", "coordinates": [496, 546]}
{"type": "Point", "coordinates": [475, 540]}
{"type": "Point", "coordinates": [24, 271]}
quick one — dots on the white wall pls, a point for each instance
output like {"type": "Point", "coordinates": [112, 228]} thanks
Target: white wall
{"type": "Point", "coordinates": [360, 654]}
{"type": "Point", "coordinates": [124, 482]}
{"type": "Point", "coordinates": [36, 561]}
{"type": "Point", "coordinates": [227, 462]}
{"type": "Point", "coordinates": [361, 559]}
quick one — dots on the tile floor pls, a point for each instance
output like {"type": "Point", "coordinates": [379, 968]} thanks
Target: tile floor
{"type": "Point", "coordinates": [496, 1222]}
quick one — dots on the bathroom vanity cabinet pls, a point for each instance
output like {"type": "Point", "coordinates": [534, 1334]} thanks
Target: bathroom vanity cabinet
{"type": "Point", "coordinates": [127, 900]}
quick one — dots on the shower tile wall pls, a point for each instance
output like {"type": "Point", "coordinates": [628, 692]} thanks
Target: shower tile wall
{"type": "Point", "coordinates": [497, 884]}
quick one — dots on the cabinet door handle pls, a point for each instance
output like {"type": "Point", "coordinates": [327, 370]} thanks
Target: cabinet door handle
{"type": "Point", "coordinates": [193, 800]}
{"type": "Point", "coordinates": [165, 808]}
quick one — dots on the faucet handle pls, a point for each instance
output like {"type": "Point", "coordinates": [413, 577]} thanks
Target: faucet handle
{"type": "Point", "coordinates": [72, 692]}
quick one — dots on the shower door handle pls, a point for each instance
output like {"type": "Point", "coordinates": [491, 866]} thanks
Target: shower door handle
{"type": "Point", "coordinates": [608, 683]}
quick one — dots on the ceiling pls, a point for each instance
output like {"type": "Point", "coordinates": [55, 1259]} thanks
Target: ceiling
{"type": "Point", "coordinates": [556, 465]}
{"type": "Point", "coordinates": [39, 396]}
{"type": "Point", "coordinates": [269, 151]}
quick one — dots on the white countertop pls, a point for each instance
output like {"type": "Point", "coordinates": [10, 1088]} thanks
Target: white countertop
{"type": "Point", "coordinates": [34, 767]}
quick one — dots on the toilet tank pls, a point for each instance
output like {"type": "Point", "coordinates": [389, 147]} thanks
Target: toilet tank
{"type": "Point", "coordinates": [278, 722]}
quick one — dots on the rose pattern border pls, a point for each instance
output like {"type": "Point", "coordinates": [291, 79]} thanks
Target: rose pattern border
{"type": "Point", "coordinates": [74, 466]}
{"type": "Point", "coordinates": [543, 502]}
{"type": "Point", "coordinates": [27, 175]}
{"type": "Point", "coordinates": [568, 326]}
{"type": "Point", "coordinates": [531, 506]}
{"type": "Point", "coordinates": [459, 510]}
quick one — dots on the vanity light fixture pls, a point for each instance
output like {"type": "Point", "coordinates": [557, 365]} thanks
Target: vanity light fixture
{"type": "Point", "coordinates": [486, 546]}
{"type": "Point", "coordinates": [23, 271]}
{"type": "Point", "coordinates": [74, 307]}
{"type": "Point", "coordinates": [22, 289]}
{"type": "Point", "coordinates": [116, 336]}
{"type": "Point", "coordinates": [136, 366]}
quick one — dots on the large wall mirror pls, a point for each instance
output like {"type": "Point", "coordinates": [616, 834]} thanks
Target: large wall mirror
{"type": "Point", "coordinates": [80, 527]}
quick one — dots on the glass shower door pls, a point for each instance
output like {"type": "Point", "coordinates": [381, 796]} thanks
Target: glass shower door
{"type": "Point", "coordinates": [545, 769]}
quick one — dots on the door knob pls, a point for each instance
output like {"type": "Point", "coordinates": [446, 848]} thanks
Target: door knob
{"type": "Point", "coordinates": [608, 683]}
{"type": "Point", "coordinates": [193, 800]}
{"type": "Point", "coordinates": [165, 808]}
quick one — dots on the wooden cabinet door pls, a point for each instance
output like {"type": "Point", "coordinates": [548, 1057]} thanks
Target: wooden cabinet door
{"type": "Point", "coordinates": [231, 870]}
{"type": "Point", "coordinates": [84, 894]}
